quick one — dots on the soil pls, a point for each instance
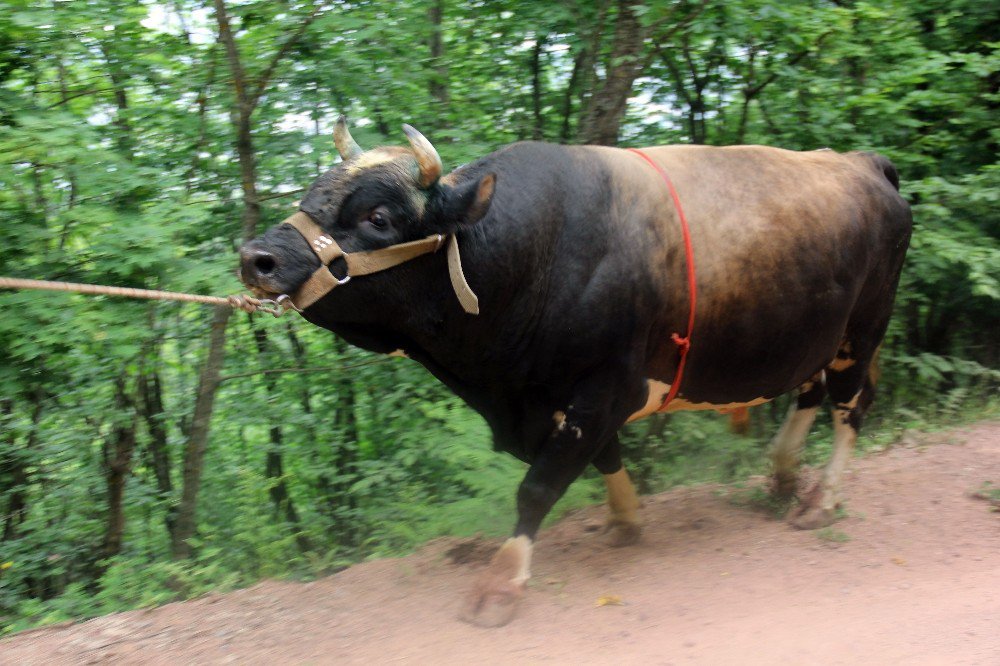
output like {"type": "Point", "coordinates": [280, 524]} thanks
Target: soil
{"type": "Point", "coordinates": [911, 575]}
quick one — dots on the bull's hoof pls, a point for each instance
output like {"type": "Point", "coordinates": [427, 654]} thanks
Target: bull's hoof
{"type": "Point", "coordinates": [621, 533]}
{"type": "Point", "coordinates": [491, 603]}
{"type": "Point", "coordinates": [493, 599]}
{"type": "Point", "coordinates": [813, 517]}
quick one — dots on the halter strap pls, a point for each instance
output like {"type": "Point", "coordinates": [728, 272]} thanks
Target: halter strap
{"type": "Point", "coordinates": [322, 281]}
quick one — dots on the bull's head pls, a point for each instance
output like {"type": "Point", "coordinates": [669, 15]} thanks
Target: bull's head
{"type": "Point", "coordinates": [373, 199]}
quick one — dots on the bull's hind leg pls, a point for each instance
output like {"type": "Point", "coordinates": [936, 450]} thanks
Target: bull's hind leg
{"type": "Point", "coordinates": [786, 447]}
{"type": "Point", "coordinates": [850, 391]}
{"type": "Point", "coordinates": [623, 526]}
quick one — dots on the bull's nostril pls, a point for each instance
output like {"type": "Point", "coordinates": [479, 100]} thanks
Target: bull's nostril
{"type": "Point", "coordinates": [264, 264]}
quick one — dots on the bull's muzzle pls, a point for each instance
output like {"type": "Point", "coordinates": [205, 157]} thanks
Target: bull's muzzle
{"type": "Point", "coordinates": [257, 265]}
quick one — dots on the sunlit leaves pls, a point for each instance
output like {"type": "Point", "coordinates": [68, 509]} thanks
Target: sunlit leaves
{"type": "Point", "coordinates": [118, 165]}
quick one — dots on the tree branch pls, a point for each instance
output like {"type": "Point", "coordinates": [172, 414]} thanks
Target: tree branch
{"type": "Point", "coordinates": [229, 42]}
{"type": "Point", "coordinates": [753, 91]}
{"type": "Point", "coordinates": [265, 78]}
{"type": "Point", "coordinates": [680, 25]}
{"type": "Point", "coordinates": [83, 93]}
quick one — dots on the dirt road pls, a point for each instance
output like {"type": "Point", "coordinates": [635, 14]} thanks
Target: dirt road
{"type": "Point", "coordinates": [911, 576]}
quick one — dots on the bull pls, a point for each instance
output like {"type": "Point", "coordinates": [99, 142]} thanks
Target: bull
{"type": "Point", "coordinates": [552, 311]}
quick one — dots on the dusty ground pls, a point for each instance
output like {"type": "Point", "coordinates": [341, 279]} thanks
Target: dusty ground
{"type": "Point", "coordinates": [911, 576]}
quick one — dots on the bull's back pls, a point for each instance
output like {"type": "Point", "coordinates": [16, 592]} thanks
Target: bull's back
{"type": "Point", "coordinates": [786, 246]}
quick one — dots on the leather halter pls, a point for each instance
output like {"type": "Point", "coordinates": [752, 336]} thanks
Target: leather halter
{"type": "Point", "coordinates": [322, 281]}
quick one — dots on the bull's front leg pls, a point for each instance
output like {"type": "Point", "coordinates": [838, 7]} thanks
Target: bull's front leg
{"type": "Point", "coordinates": [577, 437]}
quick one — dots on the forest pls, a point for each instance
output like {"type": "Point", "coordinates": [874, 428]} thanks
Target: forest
{"type": "Point", "coordinates": [151, 451]}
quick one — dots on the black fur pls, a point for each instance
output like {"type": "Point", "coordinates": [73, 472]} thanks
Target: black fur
{"type": "Point", "coordinates": [579, 272]}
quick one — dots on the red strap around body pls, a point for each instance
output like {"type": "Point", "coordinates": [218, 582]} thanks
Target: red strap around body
{"type": "Point", "coordinates": [683, 344]}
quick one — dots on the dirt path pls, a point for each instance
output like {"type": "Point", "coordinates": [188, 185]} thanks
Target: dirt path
{"type": "Point", "coordinates": [912, 576]}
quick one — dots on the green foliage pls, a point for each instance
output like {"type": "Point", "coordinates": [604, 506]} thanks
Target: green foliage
{"type": "Point", "coordinates": [832, 535]}
{"type": "Point", "coordinates": [758, 497]}
{"type": "Point", "coordinates": [990, 492]}
{"type": "Point", "coordinates": [120, 164]}
{"type": "Point", "coordinates": [133, 583]}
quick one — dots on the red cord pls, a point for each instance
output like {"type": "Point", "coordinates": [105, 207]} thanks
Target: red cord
{"type": "Point", "coordinates": [683, 344]}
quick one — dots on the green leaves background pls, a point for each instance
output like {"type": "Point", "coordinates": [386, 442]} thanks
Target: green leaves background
{"type": "Point", "coordinates": [119, 165]}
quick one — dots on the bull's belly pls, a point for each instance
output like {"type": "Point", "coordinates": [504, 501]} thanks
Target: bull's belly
{"type": "Point", "coordinates": [658, 391]}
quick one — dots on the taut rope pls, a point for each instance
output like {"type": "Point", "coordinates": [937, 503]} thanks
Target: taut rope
{"type": "Point", "coordinates": [276, 307]}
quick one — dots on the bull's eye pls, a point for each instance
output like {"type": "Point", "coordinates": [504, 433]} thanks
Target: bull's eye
{"type": "Point", "coordinates": [378, 219]}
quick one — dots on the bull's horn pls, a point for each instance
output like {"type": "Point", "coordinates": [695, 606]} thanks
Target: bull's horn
{"type": "Point", "coordinates": [346, 145]}
{"type": "Point", "coordinates": [427, 158]}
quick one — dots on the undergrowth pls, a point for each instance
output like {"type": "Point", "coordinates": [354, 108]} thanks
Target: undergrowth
{"type": "Point", "coordinates": [990, 492]}
{"type": "Point", "coordinates": [684, 448]}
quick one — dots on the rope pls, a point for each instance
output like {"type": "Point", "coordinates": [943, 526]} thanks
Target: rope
{"type": "Point", "coordinates": [277, 307]}
{"type": "Point", "coordinates": [683, 343]}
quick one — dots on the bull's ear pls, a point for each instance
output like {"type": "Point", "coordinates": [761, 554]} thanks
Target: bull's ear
{"type": "Point", "coordinates": [466, 203]}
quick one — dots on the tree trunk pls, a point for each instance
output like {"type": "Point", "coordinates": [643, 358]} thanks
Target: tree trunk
{"type": "Point", "coordinates": [197, 442]}
{"type": "Point", "coordinates": [208, 383]}
{"type": "Point", "coordinates": [567, 103]}
{"type": "Point", "coordinates": [583, 79]}
{"type": "Point", "coordinates": [150, 406]}
{"type": "Point", "coordinates": [695, 104]}
{"type": "Point", "coordinates": [126, 144]}
{"type": "Point", "coordinates": [279, 491]}
{"type": "Point", "coordinates": [70, 170]}
{"type": "Point", "coordinates": [14, 466]}
{"type": "Point", "coordinates": [345, 454]}
{"type": "Point", "coordinates": [274, 464]}
{"type": "Point", "coordinates": [439, 67]}
{"type": "Point", "coordinates": [117, 450]}
{"type": "Point", "coordinates": [208, 379]}
{"type": "Point", "coordinates": [242, 122]}
{"type": "Point", "coordinates": [606, 108]}
{"type": "Point", "coordinates": [329, 499]}
{"type": "Point", "coordinates": [248, 173]}
{"type": "Point", "coordinates": [538, 128]}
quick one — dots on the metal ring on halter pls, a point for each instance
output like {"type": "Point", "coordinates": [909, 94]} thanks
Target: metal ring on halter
{"type": "Point", "coordinates": [277, 306]}
{"type": "Point", "coordinates": [285, 301]}
{"type": "Point", "coordinates": [270, 307]}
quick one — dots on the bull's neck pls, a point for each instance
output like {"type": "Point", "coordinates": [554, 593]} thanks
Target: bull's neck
{"type": "Point", "coordinates": [500, 269]}
{"type": "Point", "coordinates": [414, 307]}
